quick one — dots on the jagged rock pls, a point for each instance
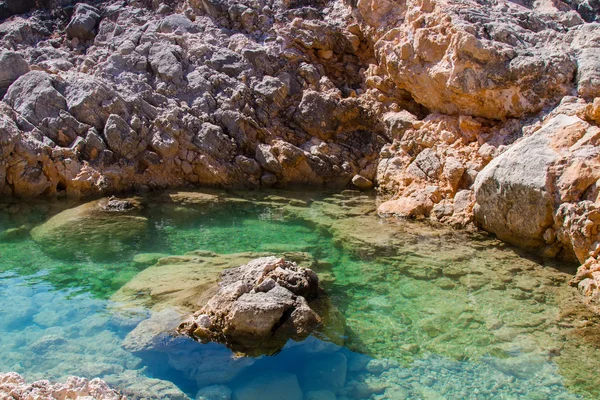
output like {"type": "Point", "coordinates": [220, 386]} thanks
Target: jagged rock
{"type": "Point", "coordinates": [83, 23]}
{"type": "Point", "coordinates": [123, 140]}
{"type": "Point", "coordinates": [13, 385]}
{"type": "Point", "coordinates": [258, 307]}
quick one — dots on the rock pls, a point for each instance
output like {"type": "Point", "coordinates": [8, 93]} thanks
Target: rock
{"type": "Point", "coordinates": [259, 307]}
{"type": "Point", "coordinates": [361, 182]}
{"type": "Point", "coordinates": [449, 67]}
{"type": "Point", "coordinates": [271, 386]}
{"type": "Point", "coordinates": [34, 96]}
{"type": "Point", "coordinates": [123, 140]}
{"type": "Point", "coordinates": [83, 22]}
{"type": "Point", "coordinates": [12, 66]}
{"type": "Point", "coordinates": [215, 392]}
{"type": "Point", "coordinates": [9, 8]}
{"type": "Point", "coordinates": [91, 230]}
{"type": "Point", "coordinates": [12, 384]}
{"type": "Point", "coordinates": [518, 193]}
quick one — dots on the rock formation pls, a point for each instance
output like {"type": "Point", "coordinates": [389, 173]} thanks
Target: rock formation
{"type": "Point", "coordinates": [259, 307]}
{"type": "Point", "coordinates": [13, 386]}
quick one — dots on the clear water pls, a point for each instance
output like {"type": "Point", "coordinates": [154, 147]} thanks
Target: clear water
{"type": "Point", "coordinates": [428, 312]}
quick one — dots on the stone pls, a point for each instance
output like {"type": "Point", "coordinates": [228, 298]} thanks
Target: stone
{"type": "Point", "coordinates": [258, 307]}
{"type": "Point", "coordinates": [361, 182]}
{"type": "Point", "coordinates": [123, 140]}
{"type": "Point", "coordinates": [90, 231]}
{"type": "Point", "coordinates": [83, 22]}
{"type": "Point", "coordinates": [271, 386]}
{"type": "Point", "coordinates": [12, 66]}
{"type": "Point", "coordinates": [34, 96]}
{"type": "Point", "coordinates": [12, 384]}
{"type": "Point", "coordinates": [215, 392]}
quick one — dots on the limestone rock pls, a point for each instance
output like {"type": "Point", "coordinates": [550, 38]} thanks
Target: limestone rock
{"type": "Point", "coordinates": [91, 230]}
{"type": "Point", "coordinates": [258, 307]}
{"type": "Point", "coordinates": [12, 384]}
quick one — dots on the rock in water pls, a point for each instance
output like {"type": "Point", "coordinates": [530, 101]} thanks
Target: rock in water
{"type": "Point", "coordinates": [13, 386]}
{"type": "Point", "coordinates": [99, 229]}
{"type": "Point", "coordinates": [258, 307]}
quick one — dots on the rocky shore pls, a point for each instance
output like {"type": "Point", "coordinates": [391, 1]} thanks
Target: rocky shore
{"type": "Point", "coordinates": [468, 113]}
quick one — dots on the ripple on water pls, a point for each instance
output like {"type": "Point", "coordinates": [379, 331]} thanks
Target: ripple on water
{"type": "Point", "coordinates": [429, 313]}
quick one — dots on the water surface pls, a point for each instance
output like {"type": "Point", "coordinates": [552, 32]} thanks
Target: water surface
{"type": "Point", "coordinates": [427, 312]}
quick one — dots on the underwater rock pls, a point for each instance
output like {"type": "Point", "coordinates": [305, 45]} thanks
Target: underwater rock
{"type": "Point", "coordinates": [99, 229]}
{"type": "Point", "coordinates": [271, 386]}
{"type": "Point", "coordinates": [13, 386]}
{"type": "Point", "coordinates": [258, 307]}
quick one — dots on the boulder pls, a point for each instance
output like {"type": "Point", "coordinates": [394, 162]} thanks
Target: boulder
{"type": "Point", "coordinates": [98, 229]}
{"type": "Point", "coordinates": [83, 22]}
{"type": "Point", "coordinates": [258, 307]}
{"type": "Point", "coordinates": [35, 97]}
{"type": "Point", "coordinates": [12, 66]}
{"type": "Point", "coordinates": [518, 193]}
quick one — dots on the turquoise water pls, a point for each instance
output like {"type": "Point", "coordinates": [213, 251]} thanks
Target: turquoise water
{"type": "Point", "coordinates": [427, 312]}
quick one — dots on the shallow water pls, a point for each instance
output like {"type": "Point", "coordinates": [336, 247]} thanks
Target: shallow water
{"type": "Point", "coordinates": [428, 312]}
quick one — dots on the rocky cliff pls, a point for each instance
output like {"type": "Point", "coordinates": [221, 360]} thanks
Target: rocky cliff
{"type": "Point", "coordinates": [459, 111]}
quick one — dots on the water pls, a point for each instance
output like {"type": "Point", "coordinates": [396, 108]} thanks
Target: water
{"type": "Point", "coordinates": [425, 312]}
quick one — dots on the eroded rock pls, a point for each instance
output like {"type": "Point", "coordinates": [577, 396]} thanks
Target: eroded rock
{"type": "Point", "coordinates": [258, 307]}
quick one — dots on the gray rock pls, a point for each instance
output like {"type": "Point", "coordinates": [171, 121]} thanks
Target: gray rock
{"type": "Point", "coordinates": [259, 307]}
{"type": "Point", "coordinates": [34, 96]}
{"type": "Point", "coordinates": [123, 140]}
{"type": "Point", "coordinates": [178, 24]}
{"type": "Point", "coordinates": [12, 66]}
{"type": "Point", "coordinates": [83, 23]}
{"type": "Point", "coordinates": [514, 199]}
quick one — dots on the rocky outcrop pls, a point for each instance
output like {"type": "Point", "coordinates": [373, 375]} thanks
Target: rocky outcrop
{"type": "Point", "coordinates": [226, 94]}
{"type": "Point", "coordinates": [12, 385]}
{"type": "Point", "coordinates": [259, 307]}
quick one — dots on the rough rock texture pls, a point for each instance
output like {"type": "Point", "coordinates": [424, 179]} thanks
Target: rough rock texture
{"type": "Point", "coordinates": [258, 307]}
{"type": "Point", "coordinates": [227, 94]}
{"type": "Point", "coordinates": [13, 386]}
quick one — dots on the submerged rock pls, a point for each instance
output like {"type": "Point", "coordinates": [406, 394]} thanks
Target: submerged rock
{"type": "Point", "coordinates": [99, 229]}
{"type": "Point", "coordinates": [13, 386]}
{"type": "Point", "coordinates": [258, 307]}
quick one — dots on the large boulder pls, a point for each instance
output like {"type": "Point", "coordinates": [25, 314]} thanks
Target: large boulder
{"type": "Point", "coordinates": [519, 193]}
{"type": "Point", "coordinates": [258, 307]}
{"type": "Point", "coordinates": [83, 23]}
{"type": "Point", "coordinates": [100, 229]}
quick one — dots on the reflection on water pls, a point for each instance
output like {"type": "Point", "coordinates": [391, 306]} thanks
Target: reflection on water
{"type": "Point", "coordinates": [429, 313]}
